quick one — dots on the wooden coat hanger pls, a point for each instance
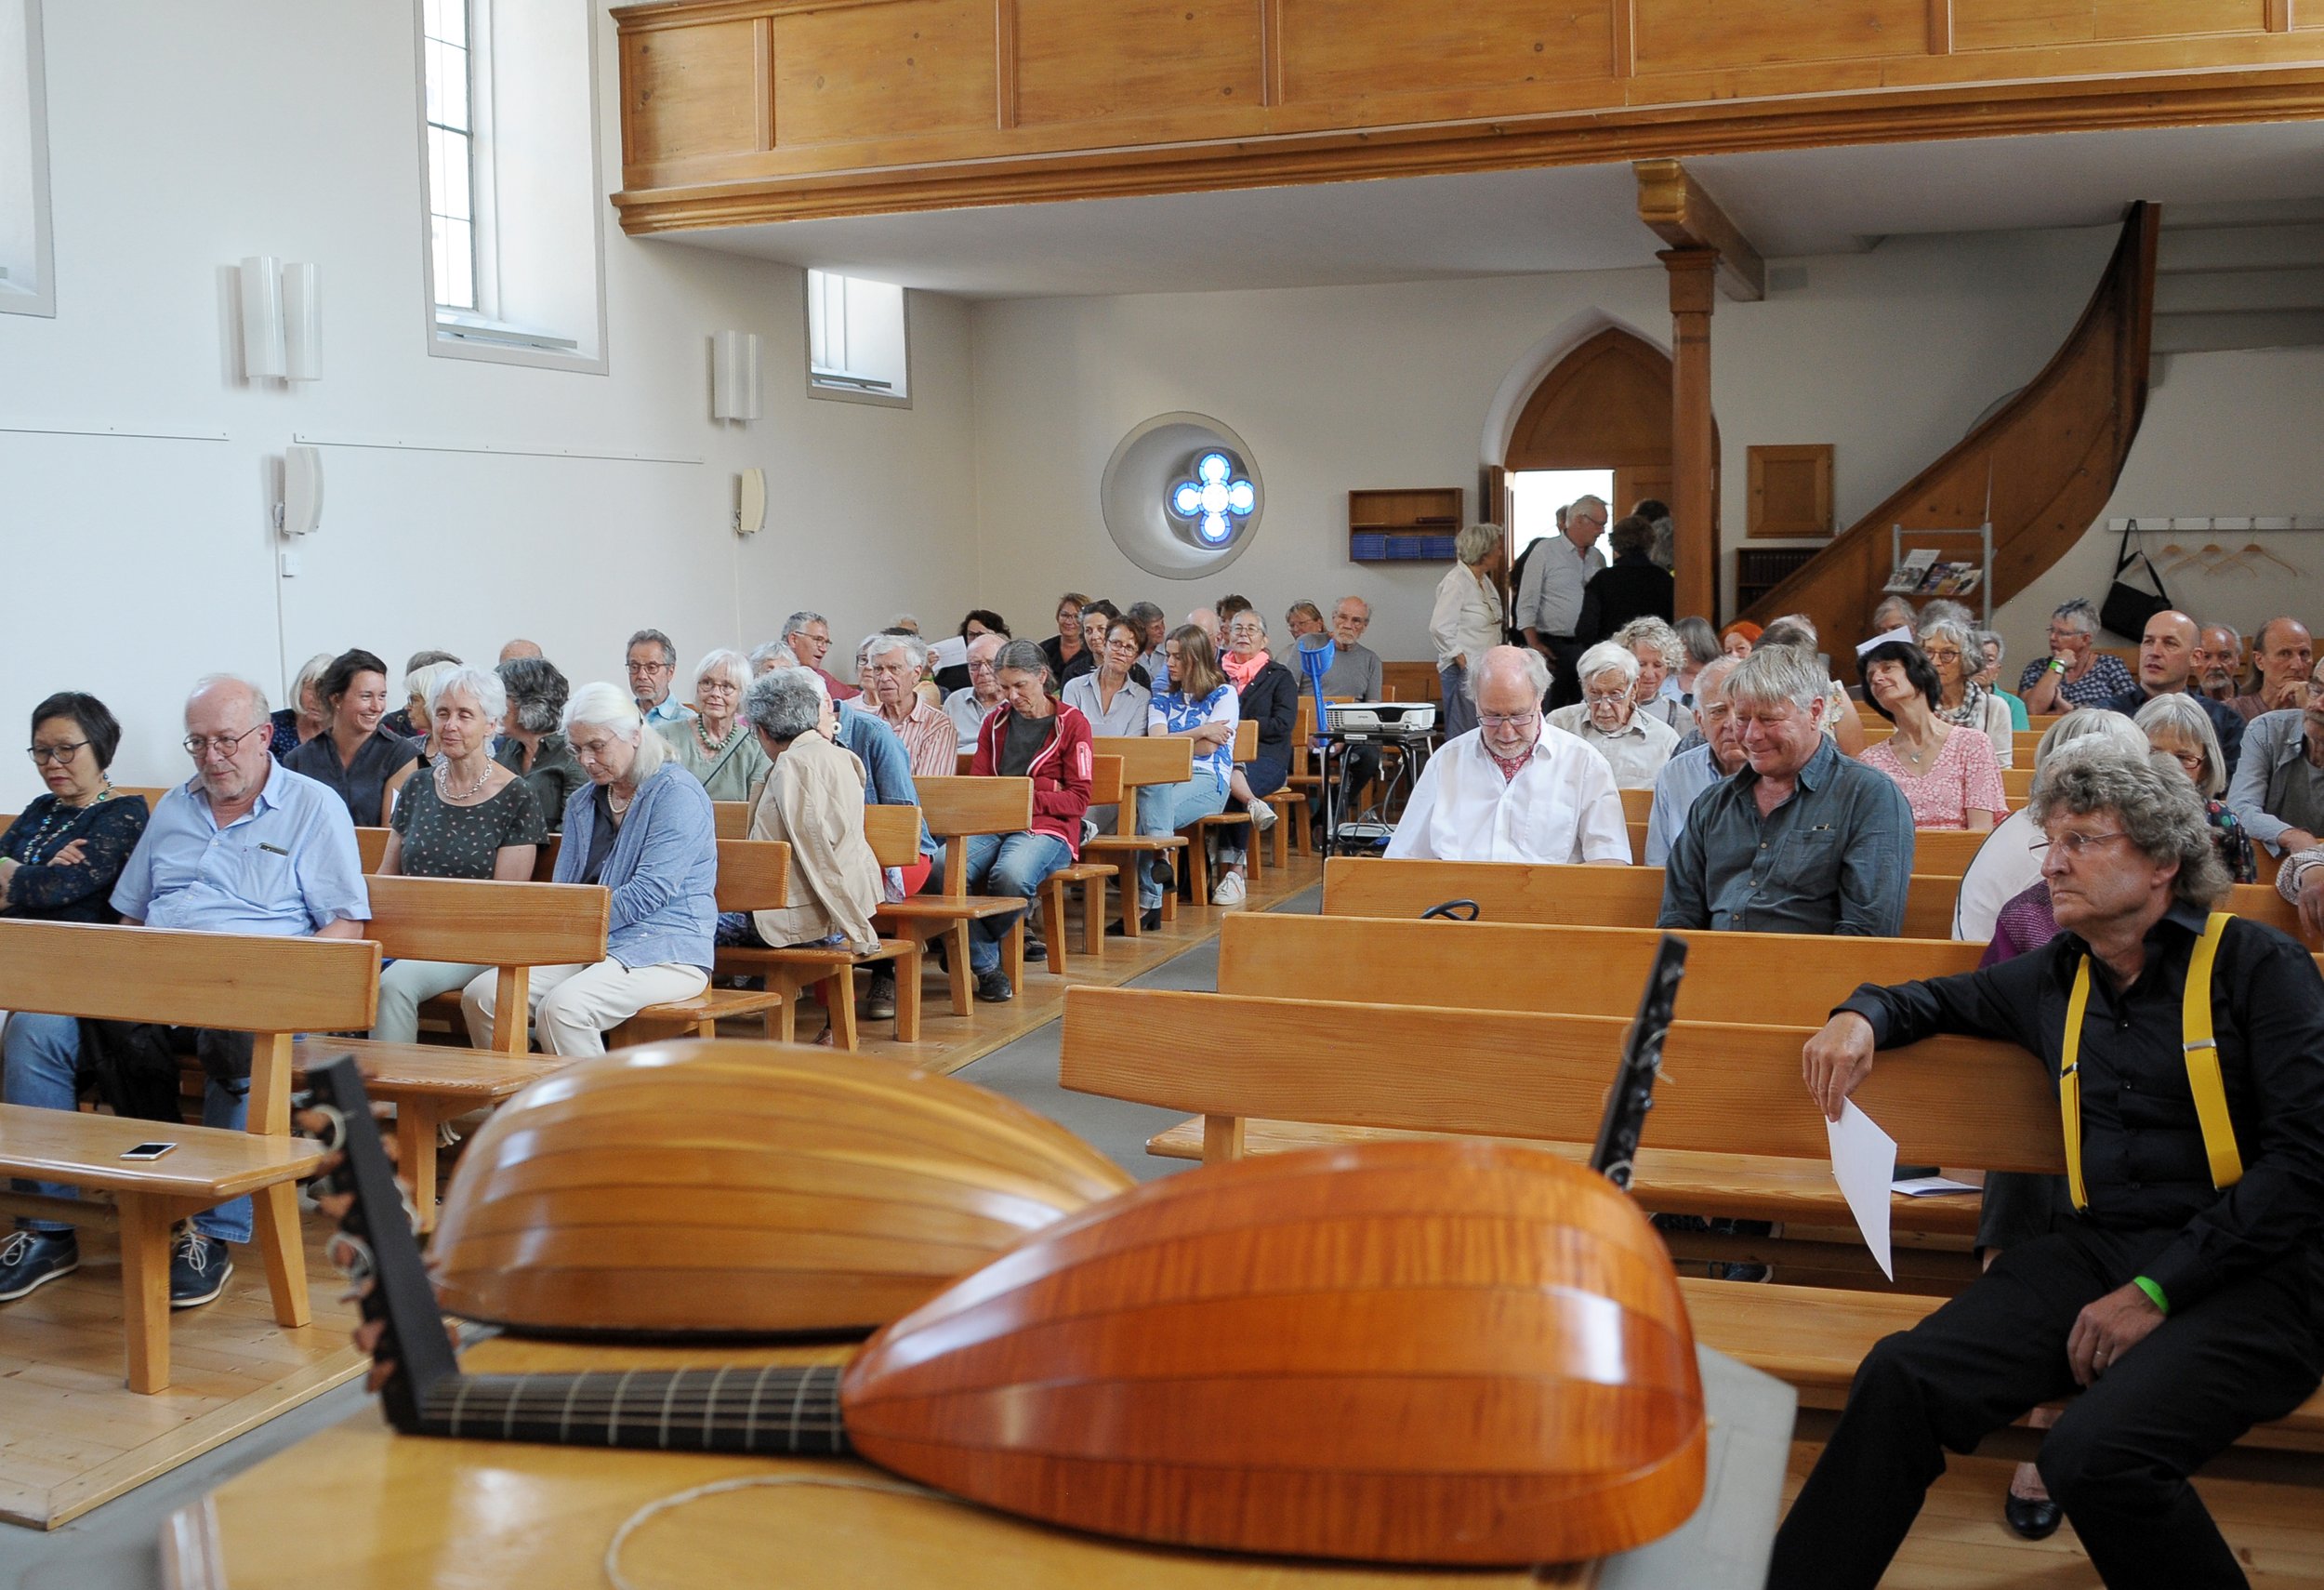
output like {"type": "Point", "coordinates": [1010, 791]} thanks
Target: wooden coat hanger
{"type": "Point", "coordinates": [2253, 549]}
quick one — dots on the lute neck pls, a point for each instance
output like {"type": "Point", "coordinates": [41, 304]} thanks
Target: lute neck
{"type": "Point", "coordinates": [731, 1408]}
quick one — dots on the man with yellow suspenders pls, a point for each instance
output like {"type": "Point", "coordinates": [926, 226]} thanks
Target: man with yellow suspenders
{"type": "Point", "coordinates": [2185, 1298]}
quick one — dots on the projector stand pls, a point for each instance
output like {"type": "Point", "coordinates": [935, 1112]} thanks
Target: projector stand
{"type": "Point", "coordinates": [1370, 832]}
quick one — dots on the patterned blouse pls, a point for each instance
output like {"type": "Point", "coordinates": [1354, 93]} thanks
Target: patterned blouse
{"type": "Point", "coordinates": [444, 840]}
{"type": "Point", "coordinates": [77, 891]}
{"type": "Point", "coordinates": [2107, 679]}
{"type": "Point", "coordinates": [1170, 713]}
{"type": "Point", "coordinates": [1964, 778]}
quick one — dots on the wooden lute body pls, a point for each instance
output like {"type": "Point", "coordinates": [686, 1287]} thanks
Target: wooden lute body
{"type": "Point", "coordinates": [1451, 1352]}
{"type": "Point", "coordinates": [730, 1188]}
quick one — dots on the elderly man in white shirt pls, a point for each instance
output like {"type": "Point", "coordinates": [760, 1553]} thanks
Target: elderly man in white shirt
{"type": "Point", "coordinates": [1514, 789]}
{"type": "Point", "coordinates": [1548, 608]}
{"type": "Point", "coordinates": [1607, 721]}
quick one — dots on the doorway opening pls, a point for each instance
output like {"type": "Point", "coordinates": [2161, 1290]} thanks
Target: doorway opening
{"type": "Point", "coordinates": [1534, 495]}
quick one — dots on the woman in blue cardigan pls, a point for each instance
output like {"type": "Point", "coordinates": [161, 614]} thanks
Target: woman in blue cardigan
{"type": "Point", "coordinates": [641, 827]}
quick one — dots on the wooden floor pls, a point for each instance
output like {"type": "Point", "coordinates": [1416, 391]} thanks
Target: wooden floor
{"type": "Point", "coordinates": [72, 1435]}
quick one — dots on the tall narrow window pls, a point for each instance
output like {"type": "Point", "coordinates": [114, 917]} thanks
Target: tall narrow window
{"type": "Point", "coordinates": [451, 151]}
{"type": "Point", "coordinates": [858, 344]}
{"type": "Point", "coordinates": [27, 258]}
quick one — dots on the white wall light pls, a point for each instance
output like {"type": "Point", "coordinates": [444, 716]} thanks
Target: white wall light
{"type": "Point", "coordinates": [734, 376]}
{"type": "Point", "coordinates": [281, 320]}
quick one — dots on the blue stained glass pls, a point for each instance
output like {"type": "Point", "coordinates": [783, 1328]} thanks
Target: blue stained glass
{"type": "Point", "coordinates": [1214, 500]}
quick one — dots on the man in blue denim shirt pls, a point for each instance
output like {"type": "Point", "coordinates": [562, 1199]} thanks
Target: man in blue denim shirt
{"type": "Point", "coordinates": [1802, 839]}
{"type": "Point", "coordinates": [247, 846]}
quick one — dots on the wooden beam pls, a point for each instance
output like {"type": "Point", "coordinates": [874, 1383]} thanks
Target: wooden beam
{"type": "Point", "coordinates": [1694, 449]}
{"type": "Point", "coordinates": [1676, 209]}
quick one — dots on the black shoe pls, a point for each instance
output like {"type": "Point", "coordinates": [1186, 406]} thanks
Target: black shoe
{"type": "Point", "coordinates": [2029, 1520]}
{"type": "Point", "coordinates": [30, 1260]}
{"type": "Point", "coordinates": [993, 988]}
{"type": "Point", "coordinates": [1116, 928]}
{"type": "Point", "coordinates": [1036, 948]}
{"type": "Point", "coordinates": [1741, 1272]}
{"type": "Point", "coordinates": [936, 949]}
{"type": "Point", "coordinates": [199, 1269]}
{"type": "Point", "coordinates": [1163, 878]}
{"type": "Point", "coordinates": [880, 1000]}
{"type": "Point", "coordinates": [1151, 922]}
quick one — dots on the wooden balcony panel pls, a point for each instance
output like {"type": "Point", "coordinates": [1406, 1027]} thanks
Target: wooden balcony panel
{"type": "Point", "coordinates": [740, 111]}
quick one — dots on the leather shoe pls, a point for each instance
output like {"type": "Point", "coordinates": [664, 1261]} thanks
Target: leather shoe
{"type": "Point", "coordinates": [2030, 1520]}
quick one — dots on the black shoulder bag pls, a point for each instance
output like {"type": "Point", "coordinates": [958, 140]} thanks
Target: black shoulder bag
{"type": "Point", "coordinates": [2127, 608]}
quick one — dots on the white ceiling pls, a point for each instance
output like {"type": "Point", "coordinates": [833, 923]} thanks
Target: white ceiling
{"type": "Point", "coordinates": [1790, 203]}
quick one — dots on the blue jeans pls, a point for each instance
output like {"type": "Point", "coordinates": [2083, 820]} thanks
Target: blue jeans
{"type": "Point", "coordinates": [1007, 864]}
{"type": "Point", "coordinates": [1163, 809]}
{"type": "Point", "coordinates": [1457, 714]}
{"type": "Point", "coordinates": [43, 1053]}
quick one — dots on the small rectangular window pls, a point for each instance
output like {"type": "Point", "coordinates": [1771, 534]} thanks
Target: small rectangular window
{"type": "Point", "coordinates": [858, 339]}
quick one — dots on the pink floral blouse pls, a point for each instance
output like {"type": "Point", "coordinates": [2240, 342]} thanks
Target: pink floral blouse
{"type": "Point", "coordinates": [1964, 778]}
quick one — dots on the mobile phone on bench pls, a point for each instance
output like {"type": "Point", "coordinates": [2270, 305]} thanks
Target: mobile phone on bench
{"type": "Point", "coordinates": [149, 1150]}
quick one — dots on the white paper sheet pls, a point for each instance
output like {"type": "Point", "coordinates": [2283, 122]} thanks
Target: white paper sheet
{"type": "Point", "coordinates": [950, 652]}
{"type": "Point", "coordinates": [1932, 1186]}
{"type": "Point", "coordinates": [1864, 1163]}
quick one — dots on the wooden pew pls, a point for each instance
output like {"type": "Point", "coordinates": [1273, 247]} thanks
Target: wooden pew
{"type": "Point", "coordinates": [893, 833]}
{"type": "Point", "coordinates": [511, 927]}
{"type": "Point", "coordinates": [1091, 877]}
{"type": "Point", "coordinates": [2017, 784]}
{"type": "Point", "coordinates": [1582, 897]}
{"type": "Point", "coordinates": [1945, 852]}
{"type": "Point", "coordinates": [1637, 805]}
{"type": "Point", "coordinates": [957, 810]}
{"type": "Point", "coordinates": [754, 875]}
{"type": "Point", "coordinates": [269, 988]}
{"type": "Point", "coordinates": [1542, 1078]}
{"type": "Point", "coordinates": [1166, 760]}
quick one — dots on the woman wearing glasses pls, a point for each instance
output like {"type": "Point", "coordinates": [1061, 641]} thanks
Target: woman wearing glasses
{"type": "Point", "coordinates": [1957, 660]}
{"type": "Point", "coordinates": [59, 860]}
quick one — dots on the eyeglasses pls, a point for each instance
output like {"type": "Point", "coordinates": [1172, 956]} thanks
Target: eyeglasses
{"type": "Point", "coordinates": [225, 744]}
{"type": "Point", "coordinates": [1604, 697]}
{"type": "Point", "coordinates": [58, 754]}
{"type": "Point", "coordinates": [2075, 844]}
{"type": "Point", "coordinates": [1941, 654]}
{"type": "Point", "coordinates": [979, 668]}
{"type": "Point", "coordinates": [650, 667]}
{"type": "Point", "coordinates": [1508, 720]}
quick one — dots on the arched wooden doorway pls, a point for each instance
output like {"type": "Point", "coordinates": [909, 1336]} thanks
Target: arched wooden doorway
{"type": "Point", "coordinates": [1605, 405]}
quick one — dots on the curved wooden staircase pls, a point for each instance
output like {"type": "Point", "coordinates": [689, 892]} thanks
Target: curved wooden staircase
{"type": "Point", "coordinates": [2046, 461]}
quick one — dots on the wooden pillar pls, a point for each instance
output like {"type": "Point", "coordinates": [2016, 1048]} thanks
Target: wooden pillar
{"type": "Point", "coordinates": [1694, 457]}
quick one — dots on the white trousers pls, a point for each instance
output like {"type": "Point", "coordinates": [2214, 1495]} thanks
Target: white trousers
{"type": "Point", "coordinates": [575, 1006]}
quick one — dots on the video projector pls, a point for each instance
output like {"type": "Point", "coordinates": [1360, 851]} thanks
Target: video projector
{"type": "Point", "coordinates": [1379, 720]}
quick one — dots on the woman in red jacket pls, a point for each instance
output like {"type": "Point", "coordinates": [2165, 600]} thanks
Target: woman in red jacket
{"type": "Point", "coordinates": [1032, 736]}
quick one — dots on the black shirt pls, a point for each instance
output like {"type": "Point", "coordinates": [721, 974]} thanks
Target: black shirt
{"type": "Point", "coordinates": [602, 833]}
{"type": "Point", "coordinates": [76, 892]}
{"type": "Point", "coordinates": [2143, 1160]}
{"type": "Point", "coordinates": [362, 784]}
{"type": "Point", "coordinates": [1054, 650]}
{"type": "Point", "coordinates": [2224, 719]}
{"type": "Point", "coordinates": [1633, 588]}
{"type": "Point", "coordinates": [1021, 739]}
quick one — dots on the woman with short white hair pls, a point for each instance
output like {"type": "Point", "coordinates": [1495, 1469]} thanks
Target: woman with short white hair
{"type": "Point", "coordinates": [1661, 655]}
{"type": "Point", "coordinates": [642, 828]}
{"type": "Point", "coordinates": [464, 816]}
{"type": "Point", "coordinates": [1466, 621]}
{"type": "Point", "coordinates": [715, 744]}
{"type": "Point", "coordinates": [1609, 721]}
{"type": "Point", "coordinates": [2181, 733]}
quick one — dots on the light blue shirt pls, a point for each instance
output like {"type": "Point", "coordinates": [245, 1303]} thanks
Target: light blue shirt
{"type": "Point", "coordinates": [1683, 778]}
{"type": "Point", "coordinates": [887, 766]}
{"type": "Point", "coordinates": [663, 871]}
{"type": "Point", "coordinates": [286, 867]}
{"type": "Point", "coordinates": [670, 711]}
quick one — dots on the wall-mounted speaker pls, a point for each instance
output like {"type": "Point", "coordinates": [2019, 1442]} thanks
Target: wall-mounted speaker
{"type": "Point", "coordinates": [750, 502]}
{"type": "Point", "coordinates": [302, 511]}
{"type": "Point", "coordinates": [734, 376]}
{"type": "Point", "coordinates": [1182, 496]}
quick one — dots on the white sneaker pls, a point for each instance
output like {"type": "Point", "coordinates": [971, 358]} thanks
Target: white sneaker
{"type": "Point", "coordinates": [1229, 891]}
{"type": "Point", "coordinates": [1263, 816]}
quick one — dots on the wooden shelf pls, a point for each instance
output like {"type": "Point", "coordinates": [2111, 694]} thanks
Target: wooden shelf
{"type": "Point", "coordinates": [1410, 525]}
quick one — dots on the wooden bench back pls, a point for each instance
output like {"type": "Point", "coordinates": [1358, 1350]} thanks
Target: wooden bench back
{"type": "Point", "coordinates": [1246, 740]}
{"type": "Point", "coordinates": [754, 875]}
{"type": "Point", "coordinates": [1732, 1088]}
{"type": "Point", "coordinates": [1580, 897]}
{"type": "Point", "coordinates": [242, 982]}
{"type": "Point", "coordinates": [893, 833]}
{"type": "Point", "coordinates": [371, 844]}
{"type": "Point", "coordinates": [2262, 904]}
{"type": "Point", "coordinates": [1945, 852]}
{"type": "Point", "coordinates": [1105, 781]}
{"type": "Point", "coordinates": [488, 923]}
{"type": "Point", "coordinates": [2018, 785]}
{"type": "Point", "coordinates": [1163, 759]}
{"type": "Point", "coordinates": [956, 808]}
{"type": "Point", "coordinates": [1637, 805]}
{"type": "Point", "coordinates": [730, 820]}
{"type": "Point", "coordinates": [1776, 978]}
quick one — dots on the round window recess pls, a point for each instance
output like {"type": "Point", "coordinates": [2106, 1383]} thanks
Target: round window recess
{"type": "Point", "coordinates": [1182, 496]}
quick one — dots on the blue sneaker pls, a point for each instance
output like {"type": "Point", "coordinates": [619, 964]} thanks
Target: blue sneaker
{"type": "Point", "coordinates": [30, 1260]}
{"type": "Point", "coordinates": [199, 1269]}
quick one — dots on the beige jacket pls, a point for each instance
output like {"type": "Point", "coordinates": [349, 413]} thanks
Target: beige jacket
{"type": "Point", "coordinates": [814, 801]}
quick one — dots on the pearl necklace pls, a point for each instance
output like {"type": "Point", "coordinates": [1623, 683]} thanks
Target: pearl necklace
{"type": "Point", "coordinates": [470, 794]}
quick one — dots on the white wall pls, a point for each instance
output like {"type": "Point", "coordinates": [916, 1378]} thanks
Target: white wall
{"type": "Point", "coordinates": [1890, 355]}
{"type": "Point", "coordinates": [183, 138]}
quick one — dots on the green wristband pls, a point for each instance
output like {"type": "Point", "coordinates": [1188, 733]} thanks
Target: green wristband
{"type": "Point", "coordinates": [2153, 1292]}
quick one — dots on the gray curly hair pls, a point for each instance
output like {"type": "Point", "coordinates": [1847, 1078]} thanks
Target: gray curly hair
{"type": "Point", "coordinates": [1655, 633]}
{"type": "Point", "coordinates": [2161, 816]}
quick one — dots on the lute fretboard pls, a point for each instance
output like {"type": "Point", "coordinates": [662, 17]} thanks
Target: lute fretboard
{"type": "Point", "coordinates": [766, 1409]}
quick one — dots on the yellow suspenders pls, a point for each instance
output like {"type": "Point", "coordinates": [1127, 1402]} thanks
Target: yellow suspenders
{"type": "Point", "coordinates": [2202, 1068]}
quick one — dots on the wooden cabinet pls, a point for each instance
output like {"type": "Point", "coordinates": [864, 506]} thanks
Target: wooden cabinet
{"type": "Point", "coordinates": [1790, 491]}
{"type": "Point", "coordinates": [1415, 526]}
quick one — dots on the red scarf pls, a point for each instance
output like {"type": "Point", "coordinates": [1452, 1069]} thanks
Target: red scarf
{"type": "Point", "coordinates": [1240, 672]}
